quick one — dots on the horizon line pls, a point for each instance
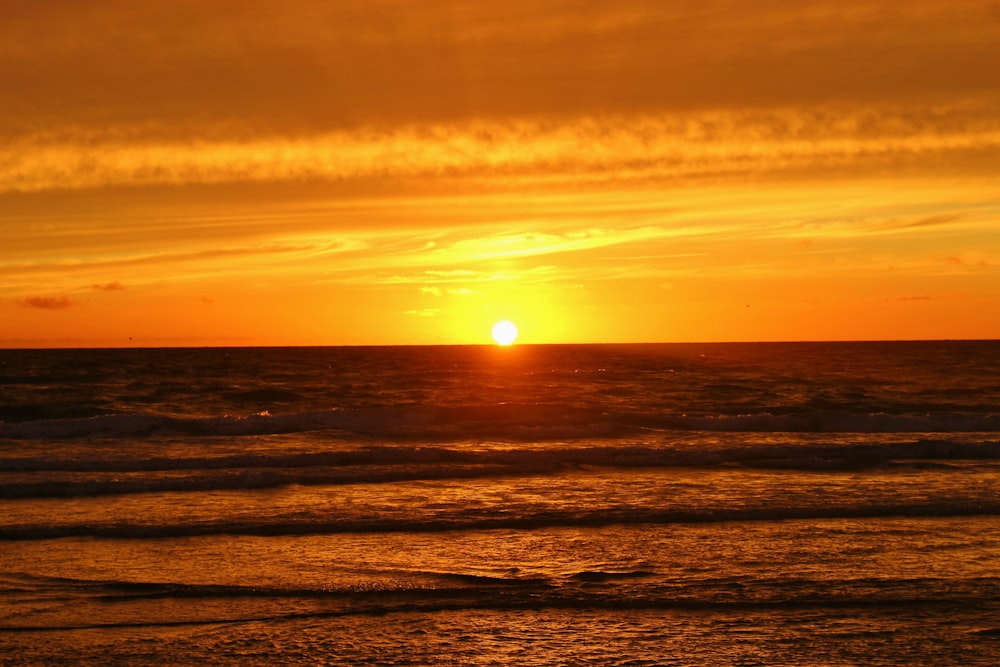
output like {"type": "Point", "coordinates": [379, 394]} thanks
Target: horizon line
{"type": "Point", "coordinates": [494, 345]}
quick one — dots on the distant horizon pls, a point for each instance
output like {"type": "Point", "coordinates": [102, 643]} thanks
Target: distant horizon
{"type": "Point", "coordinates": [500, 348]}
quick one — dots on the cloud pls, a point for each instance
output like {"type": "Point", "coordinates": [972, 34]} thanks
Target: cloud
{"type": "Point", "coordinates": [109, 287]}
{"type": "Point", "coordinates": [615, 148]}
{"type": "Point", "coordinates": [528, 244]}
{"type": "Point", "coordinates": [47, 302]}
{"type": "Point", "coordinates": [423, 312]}
{"type": "Point", "coordinates": [431, 291]}
{"type": "Point", "coordinates": [216, 255]}
{"type": "Point", "coordinates": [452, 274]}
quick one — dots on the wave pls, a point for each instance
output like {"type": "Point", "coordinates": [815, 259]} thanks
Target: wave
{"type": "Point", "coordinates": [73, 476]}
{"type": "Point", "coordinates": [504, 420]}
{"type": "Point", "coordinates": [141, 604]}
{"type": "Point", "coordinates": [526, 521]}
{"type": "Point", "coordinates": [94, 476]}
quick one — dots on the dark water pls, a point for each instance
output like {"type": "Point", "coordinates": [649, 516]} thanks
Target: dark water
{"type": "Point", "coordinates": [832, 504]}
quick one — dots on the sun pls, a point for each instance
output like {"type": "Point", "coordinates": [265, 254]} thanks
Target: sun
{"type": "Point", "coordinates": [504, 333]}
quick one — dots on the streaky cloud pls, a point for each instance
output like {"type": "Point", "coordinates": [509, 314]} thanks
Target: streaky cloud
{"type": "Point", "coordinates": [609, 149]}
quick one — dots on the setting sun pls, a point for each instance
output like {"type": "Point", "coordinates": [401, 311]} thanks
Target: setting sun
{"type": "Point", "coordinates": [504, 333]}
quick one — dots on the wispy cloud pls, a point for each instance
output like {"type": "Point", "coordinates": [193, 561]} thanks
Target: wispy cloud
{"type": "Point", "coordinates": [423, 312]}
{"type": "Point", "coordinates": [109, 287]}
{"type": "Point", "coordinates": [208, 255]}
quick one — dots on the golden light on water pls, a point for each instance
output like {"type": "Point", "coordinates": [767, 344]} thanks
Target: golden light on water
{"type": "Point", "coordinates": [504, 333]}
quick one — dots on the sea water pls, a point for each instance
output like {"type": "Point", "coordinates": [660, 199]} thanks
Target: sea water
{"type": "Point", "coordinates": [726, 504]}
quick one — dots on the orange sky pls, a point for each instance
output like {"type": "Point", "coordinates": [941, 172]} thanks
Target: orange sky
{"type": "Point", "coordinates": [394, 172]}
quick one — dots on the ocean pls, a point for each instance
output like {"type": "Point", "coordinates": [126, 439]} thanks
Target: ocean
{"type": "Point", "coordinates": [675, 504]}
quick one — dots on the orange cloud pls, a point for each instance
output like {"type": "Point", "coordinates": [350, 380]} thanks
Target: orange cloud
{"type": "Point", "coordinates": [631, 148]}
